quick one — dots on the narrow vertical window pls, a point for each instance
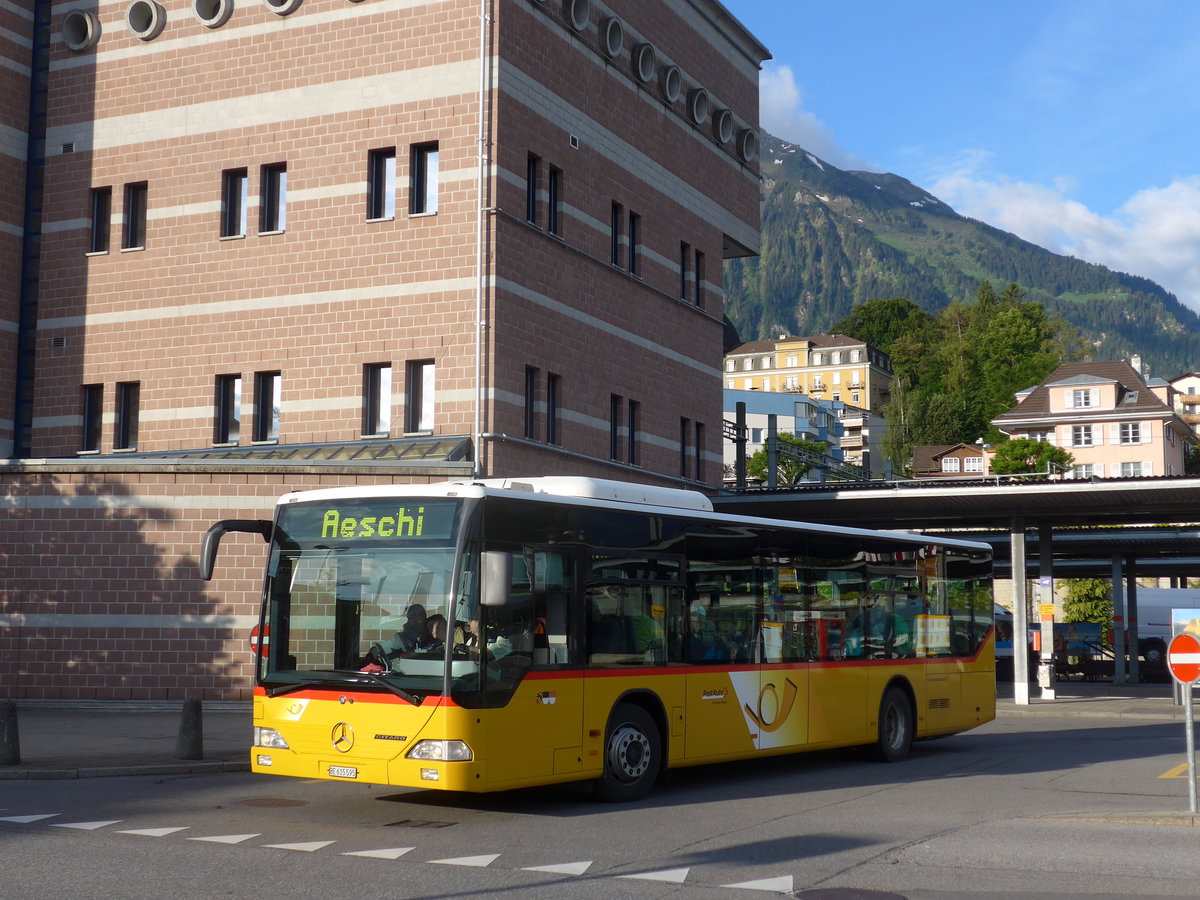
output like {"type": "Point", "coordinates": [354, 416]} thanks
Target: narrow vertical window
{"type": "Point", "coordinates": [685, 428]}
{"type": "Point", "coordinates": [531, 188]}
{"type": "Point", "coordinates": [635, 412]}
{"type": "Point", "coordinates": [423, 190]}
{"type": "Point", "coordinates": [101, 213]}
{"type": "Point", "coordinates": [531, 384]}
{"type": "Point", "coordinates": [93, 417]}
{"type": "Point", "coordinates": [377, 398]}
{"type": "Point", "coordinates": [685, 258]}
{"type": "Point", "coordinates": [133, 235]}
{"type": "Point", "coordinates": [614, 426]}
{"type": "Point", "coordinates": [381, 183]}
{"type": "Point", "coordinates": [699, 451]}
{"type": "Point", "coordinates": [553, 400]}
{"type": "Point", "coordinates": [698, 273]}
{"type": "Point", "coordinates": [635, 228]}
{"type": "Point", "coordinates": [228, 425]}
{"type": "Point", "coordinates": [273, 212]}
{"type": "Point", "coordinates": [235, 186]}
{"type": "Point", "coordinates": [554, 201]}
{"type": "Point", "coordinates": [419, 396]}
{"type": "Point", "coordinates": [266, 406]}
{"type": "Point", "coordinates": [125, 429]}
{"type": "Point", "coordinates": [618, 214]}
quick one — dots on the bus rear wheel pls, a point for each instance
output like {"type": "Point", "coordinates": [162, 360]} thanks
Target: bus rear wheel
{"type": "Point", "coordinates": [632, 755]}
{"type": "Point", "coordinates": [895, 726]}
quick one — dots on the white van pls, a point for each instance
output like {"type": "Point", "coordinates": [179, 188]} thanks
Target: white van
{"type": "Point", "coordinates": [1154, 607]}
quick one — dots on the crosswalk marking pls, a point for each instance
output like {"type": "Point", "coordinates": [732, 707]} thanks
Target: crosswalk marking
{"type": "Point", "coordinates": [782, 885]}
{"type": "Point", "coordinates": [85, 826]}
{"type": "Point", "coordinates": [155, 832]}
{"type": "Point", "coordinates": [575, 868]}
{"type": "Point", "coordinates": [306, 847]}
{"type": "Point", "coordinates": [25, 820]}
{"type": "Point", "coordinates": [476, 861]}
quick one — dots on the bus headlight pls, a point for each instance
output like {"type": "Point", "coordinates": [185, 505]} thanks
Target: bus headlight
{"type": "Point", "coordinates": [448, 751]}
{"type": "Point", "coordinates": [269, 737]}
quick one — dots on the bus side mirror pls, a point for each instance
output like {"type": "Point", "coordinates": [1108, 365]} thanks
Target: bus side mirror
{"type": "Point", "coordinates": [497, 578]}
{"type": "Point", "coordinates": [212, 540]}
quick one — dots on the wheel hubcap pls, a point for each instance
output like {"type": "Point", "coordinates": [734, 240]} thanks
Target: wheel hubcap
{"type": "Point", "coordinates": [628, 753]}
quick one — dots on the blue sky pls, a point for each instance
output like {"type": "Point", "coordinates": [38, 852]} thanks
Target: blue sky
{"type": "Point", "coordinates": [1071, 123]}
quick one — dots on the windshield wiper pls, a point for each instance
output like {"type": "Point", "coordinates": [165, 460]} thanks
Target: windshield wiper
{"type": "Point", "coordinates": [355, 677]}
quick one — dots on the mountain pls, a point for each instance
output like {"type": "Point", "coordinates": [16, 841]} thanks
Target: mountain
{"type": "Point", "coordinates": [833, 239]}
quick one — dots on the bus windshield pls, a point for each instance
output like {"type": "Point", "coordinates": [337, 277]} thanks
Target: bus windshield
{"type": "Point", "coordinates": [360, 592]}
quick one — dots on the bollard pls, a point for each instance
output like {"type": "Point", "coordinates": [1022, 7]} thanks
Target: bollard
{"type": "Point", "coordinates": [10, 741]}
{"type": "Point", "coordinates": [190, 744]}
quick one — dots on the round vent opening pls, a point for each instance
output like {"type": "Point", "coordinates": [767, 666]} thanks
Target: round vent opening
{"type": "Point", "coordinates": [643, 62]}
{"type": "Point", "coordinates": [283, 7]}
{"type": "Point", "coordinates": [577, 13]}
{"type": "Point", "coordinates": [145, 19]}
{"type": "Point", "coordinates": [670, 81]}
{"type": "Point", "coordinates": [747, 145]}
{"type": "Point", "coordinates": [212, 13]}
{"type": "Point", "coordinates": [698, 106]}
{"type": "Point", "coordinates": [80, 30]}
{"type": "Point", "coordinates": [612, 36]}
{"type": "Point", "coordinates": [723, 125]}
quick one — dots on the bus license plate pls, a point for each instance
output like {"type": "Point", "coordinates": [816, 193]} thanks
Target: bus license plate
{"type": "Point", "coordinates": [342, 772]}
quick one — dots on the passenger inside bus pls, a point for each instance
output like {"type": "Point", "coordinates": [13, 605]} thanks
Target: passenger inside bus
{"type": "Point", "coordinates": [414, 630]}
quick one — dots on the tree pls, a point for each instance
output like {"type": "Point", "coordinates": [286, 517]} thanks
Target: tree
{"type": "Point", "coordinates": [1088, 600]}
{"type": "Point", "coordinates": [788, 470]}
{"type": "Point", "coordinates": [1023, 455]}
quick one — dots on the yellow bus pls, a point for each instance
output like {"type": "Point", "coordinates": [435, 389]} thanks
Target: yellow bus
{"type": "Point", "coordinates": [483, 636]}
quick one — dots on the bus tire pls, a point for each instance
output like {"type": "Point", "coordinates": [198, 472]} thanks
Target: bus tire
{"type": "Point", "coordinates": [895, 725]}
{"type": "Point", "coordinates": [632, 755]}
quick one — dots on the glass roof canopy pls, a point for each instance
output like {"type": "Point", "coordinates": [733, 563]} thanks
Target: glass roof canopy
{"type": "Point", "coordinates": [440, 449]}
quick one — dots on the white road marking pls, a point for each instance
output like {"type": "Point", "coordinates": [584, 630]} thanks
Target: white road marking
{"type": "Point", "coordinates": [476, 861]}
{"type": "Point", "coordinates": [575, 868]}
{"type": "Point", "coordinates": [675, 876]}
{"type": "Point", "coordinates": [307, 847]}
{"type": "Point", "coordinates": [155, 832]}
{"type": "Point", "coordinates": [782, 885]}
{"type": "Point", "coordinates": [227, 838]}
{"type": "Point", "coordinates": [85, 826]}
{"type": "Point", "coordinates": [392, 853]}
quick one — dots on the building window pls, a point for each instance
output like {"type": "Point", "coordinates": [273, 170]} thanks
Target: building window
{"type": "Point", "coordinates": [1083, 470]}
{"type": "Point", "coordinates": [973, 464]}
{"type": "Point", "coordinates": [125, 433]}
{"type": "Point", "coordinates": [699, 279]}
{"type": "Point", "coordinates": [1131, 432]}
{"type": "Point", "coordinates": [235, 186]}
{"type": "Point", "coordinates": [553, 400]}
{"type": "Point", "coordinates": [133, 235]}
{"type": "Point", "coordinates": [614, 241]}
{"type": "Point", "coordinates": [273, 212]}
{"type": "Point", "coordinates": [1081, 399]}
{"type": "Point", "coordinates": [423, 180]}
{"type": "Point", "coordinates": [685, 430]}
{"type": "Point", "coordinates": [635, 228]}
{"type": "Point", "coordinates": [635, 412]}
{"type": "Point", "coordinates": [228, 424]}
{"type": "Point", "coordinates": [532, 165]}
{"type": "Point", "coordinates": [93, 417]}
{"type": "Point", "coordinates": [381, 183]}
{"type": "Point", "coordinates": [791, 361]}
{"type": "Point", "coordinates": [699, 451]}
{"type": "Point", "coordinates": [101, 216]}
{"type": "Point", "coordinates": [614, 426]}
{"type": "Point", "coordinates": [419, 396]}
{"type": "Point", "coordinates": [855, 397]}
{"type": "Point", "coordinates": [756, 435]}
{"type": "Point", "coordinates": [817, 358]}
{"type": "Point", "coordinates": [1081, 435]}
{"type": "Point", "coordinates": [685, 258]}
{"type": "Point", "coordinates": [377, 398]}
{"type": "Point", "coordinates": [837, 359]}
{"type": "Point", "coordinates": [1131, 470]}
{"type": "Point", "coordinates": [554, 201]}
{"type": "Point", "coordinates": [1042, 437]}
{"type": "Point", "coordinates": [791, 382]}
{"type": "Point", "coordinates": [266, 405]}
{"type": "Point", "coordinates": [855, 356]}
{"type": "Point", "coordinates": [531, 385]}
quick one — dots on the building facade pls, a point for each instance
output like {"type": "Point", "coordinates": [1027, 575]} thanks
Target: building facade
{"type": "Point", "coordinates": [1114, 423]}
{"type": "Point", "coordinates": [806, 418]}
{"type": "Point", "coordinates": [1187, 398]}
{"type": "Point", "coordinates": [460, 238]}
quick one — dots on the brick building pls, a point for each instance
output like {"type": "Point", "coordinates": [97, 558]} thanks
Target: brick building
{"type": "Point", "coordinates": [269, 253]}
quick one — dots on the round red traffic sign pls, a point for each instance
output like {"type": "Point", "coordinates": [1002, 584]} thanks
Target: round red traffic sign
{"type": "Point", "coordinates": [255, 635]}
{"type": "Point", "coordinates": [1183, 658]}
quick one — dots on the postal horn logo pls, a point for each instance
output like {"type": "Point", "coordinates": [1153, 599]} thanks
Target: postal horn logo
{"type": "Point", "coordinates": [769, 697]}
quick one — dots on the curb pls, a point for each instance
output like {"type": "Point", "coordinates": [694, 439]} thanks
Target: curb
{"type": "Point", "coordinates": [115, 771]}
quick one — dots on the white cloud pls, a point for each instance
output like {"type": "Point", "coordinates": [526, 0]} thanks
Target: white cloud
{"type": "Point", "coordinates": [1154, 234]}
{"type": "Point", "coordinates": [782, 113]}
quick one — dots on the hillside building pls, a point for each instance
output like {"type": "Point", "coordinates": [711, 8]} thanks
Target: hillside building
{"type": "Point", "coordinates": [1114, 423]}
{"type": "Point", "coordinates": [819, 421]}
{"type": "Point", "coordinates": [1187, 398]}
{"type": "Point", "coordinates": [302, 242]}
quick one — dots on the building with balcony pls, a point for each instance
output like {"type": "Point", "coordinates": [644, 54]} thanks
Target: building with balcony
{"type": "Point", "coordinates": [807, 418]}
{"type": "Point", "coordinates": [1187, 398]}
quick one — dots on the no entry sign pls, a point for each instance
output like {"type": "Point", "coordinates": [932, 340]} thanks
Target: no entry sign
{"type": "Point", "coordinates": [1183, 658]}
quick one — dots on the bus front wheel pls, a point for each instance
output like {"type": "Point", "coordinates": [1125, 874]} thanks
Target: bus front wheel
{"type": "Point", "coordinates": [895, 725]}
{"type": "Point", "coordinates": [632, 755]}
